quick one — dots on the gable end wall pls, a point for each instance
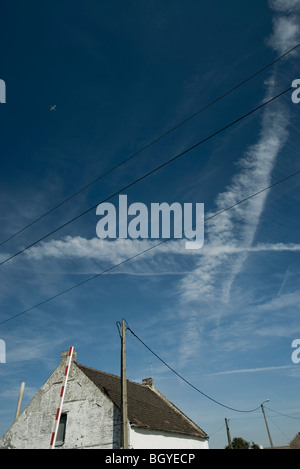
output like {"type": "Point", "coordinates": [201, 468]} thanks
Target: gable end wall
{"type": "Point", "coordinates": [92, 419]}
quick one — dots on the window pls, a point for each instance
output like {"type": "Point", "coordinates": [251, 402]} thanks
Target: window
{"type": "Point", "coordinates": [61, 432]}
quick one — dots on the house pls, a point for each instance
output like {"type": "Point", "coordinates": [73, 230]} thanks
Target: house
{"type": "Point", "coordinates": [90, 415]}
{"type": "Point", "coordinates": [294, 443]}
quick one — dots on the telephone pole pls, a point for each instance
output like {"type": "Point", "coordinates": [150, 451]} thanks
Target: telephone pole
{"type": "Point", "coordinates": [263, 411]}
{"type": "Point", "coordinates": [228, 433]}
{"type": "Point", "coordinates": [124, 410]}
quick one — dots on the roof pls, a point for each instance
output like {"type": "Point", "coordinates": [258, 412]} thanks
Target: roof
{"type": "Point", "coordinates": [147, 407]}
{"type": "Point", "coordinates": [295, 443]}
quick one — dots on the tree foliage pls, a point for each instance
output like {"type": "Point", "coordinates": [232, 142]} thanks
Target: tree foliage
{"type": "Point", "coordinates": [240, 443]}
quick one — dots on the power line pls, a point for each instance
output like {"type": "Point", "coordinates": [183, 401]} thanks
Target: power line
{"type": "Point", "coordinates": [221, 428]}
{"type": "Point", "coordinates": [162, 165]}
{"type": "Point", "coordinates": [288, 438]}
{"type": "Point", "coordinates": [148, 249]}
{"type": "Point", "coordinates": [284, 415]}
{"type": "Point", "coordinates": [192, 116]}
{"type": "Point", "coordinates": [188, 382]}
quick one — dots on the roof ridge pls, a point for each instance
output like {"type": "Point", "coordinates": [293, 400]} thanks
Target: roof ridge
{"type": "Point", "coordinates": [111, 374]}
{"type": "Point", "coordinates": [95, 369]}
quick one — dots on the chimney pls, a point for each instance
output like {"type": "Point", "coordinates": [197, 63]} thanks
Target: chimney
{"type": "Point", "coordinates": [64, 356]}
{"type": "Point", "coordinates": [148, 382]}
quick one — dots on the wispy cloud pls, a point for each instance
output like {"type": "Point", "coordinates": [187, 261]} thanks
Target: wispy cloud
{"type": "Point", "coordinates": [285, 6]}
{"type": "Point", "coordinates": [237, 228]}
{"type": "Point", "coordinates": [251, 370]}
{"type": "Point", "coordinates": [285, 25]}
{"type": "Point", "coordinates": [116, 251]}
{"type": "Point", "coordinates": [214, 275]}
{"type": "Point", "coordinates": [286, 300]}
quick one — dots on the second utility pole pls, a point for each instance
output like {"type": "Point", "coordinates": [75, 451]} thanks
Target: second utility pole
{"type": "Point", "coordinates": [269, 435]}
{"type": "Point", "coordinates": [228, 434]}
{"type": "Point", "coordinates": [124, 411]}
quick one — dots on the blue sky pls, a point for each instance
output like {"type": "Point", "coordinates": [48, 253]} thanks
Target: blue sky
{"type": "Point", "coordinates": [121, 74]}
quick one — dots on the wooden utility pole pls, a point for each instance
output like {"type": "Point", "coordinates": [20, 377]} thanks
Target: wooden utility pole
{"type": "Point", "coordinates": [124, 410]}
{"type": "Point", "coordinates": [228, 433]}
{"type": "Point", "coordinates": [269, 435]}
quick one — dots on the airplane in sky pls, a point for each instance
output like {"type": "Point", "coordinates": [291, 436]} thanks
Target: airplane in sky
{"type": "Point", "coordinates": [52, 108]}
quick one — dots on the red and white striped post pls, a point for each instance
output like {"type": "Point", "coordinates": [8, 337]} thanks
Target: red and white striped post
{"type": "Point", "coordinates": [61, 398]}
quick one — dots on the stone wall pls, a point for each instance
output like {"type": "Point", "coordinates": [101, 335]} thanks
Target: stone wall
{"type": "Point", "coordinates": [93, 421]}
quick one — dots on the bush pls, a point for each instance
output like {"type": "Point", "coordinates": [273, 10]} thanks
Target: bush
{"type": "Point", "coordinates": [240, 443]}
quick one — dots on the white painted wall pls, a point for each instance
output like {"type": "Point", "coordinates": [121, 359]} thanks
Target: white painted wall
{"type": "Point", "coordinates": [92, 419]}
{"type": "Point", "coordinates": [145, 439]}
